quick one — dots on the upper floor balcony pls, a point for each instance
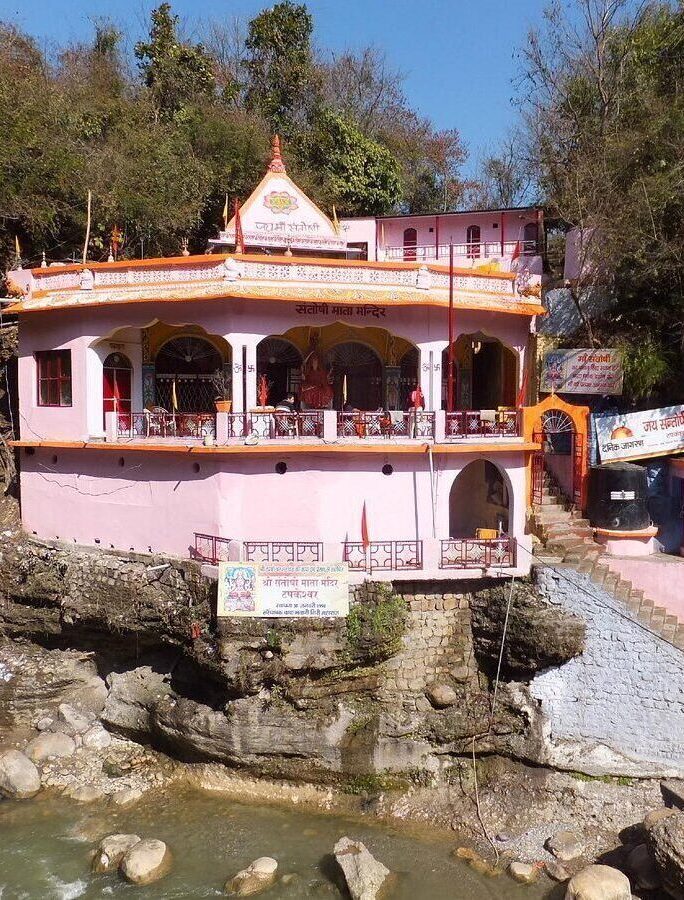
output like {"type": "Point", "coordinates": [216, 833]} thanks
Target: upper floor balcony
{"type": "Point", "coordinates": [467, 253]}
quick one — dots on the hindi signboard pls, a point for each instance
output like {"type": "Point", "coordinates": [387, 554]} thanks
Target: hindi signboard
{"type": "Point", "coordinates": [638, 435]}
{"type": "Point", "coordinates": [264, 590]}
{"type": "Point", "coordinates": [582, 372]}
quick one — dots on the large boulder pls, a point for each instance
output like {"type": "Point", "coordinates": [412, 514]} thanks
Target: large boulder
{"type": "Point", "coordinates": [147, 861]}
{"type": "Point", "coordinates": [257, 877]}
{"type": "Point", "coordinates": [641, 866]}
{"type": "Point", "coordinates": [666, 842]}
{"type": "Point", "coordinates": [599, 883]}
{"type": "Point", "coordinates": [364, 875]}
{"type": "Point", "coordinates": [111, 850]}
{"type": "Point", "coordinates": [48, 745]}
{"type": "Point", "coordinates": [19, 778]}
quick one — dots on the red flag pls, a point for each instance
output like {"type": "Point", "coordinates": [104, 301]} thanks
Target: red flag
{"type": "Point", "coordinates": [516, 251]}
{"type": "Point", "coordinates": [364, 528]}
{"type": "Point", "coordinates": [522, 393]}
{"type": "Point", "coordinates": [239, 237]}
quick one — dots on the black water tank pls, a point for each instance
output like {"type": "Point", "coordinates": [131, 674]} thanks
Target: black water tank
{"type": "Point", "coordinates": [618, 497]}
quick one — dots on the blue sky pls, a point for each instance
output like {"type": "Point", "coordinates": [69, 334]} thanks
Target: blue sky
{"type": "Point", "coordinates": [458, 55]}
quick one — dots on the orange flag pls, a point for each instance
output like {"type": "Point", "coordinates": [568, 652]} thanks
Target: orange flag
{"type": "Point", "coordinates": [239, 237]}
{"type": "Point", "coordinates": [364, 528]}
{"type": "Point", "coordinates": [522, 394]}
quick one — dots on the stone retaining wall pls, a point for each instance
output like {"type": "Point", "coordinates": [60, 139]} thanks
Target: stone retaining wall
{"type": "Point", "coordinates": [619, 707]}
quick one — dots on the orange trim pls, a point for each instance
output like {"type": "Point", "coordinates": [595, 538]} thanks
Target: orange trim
{"type": "Point", "coordinates": [649, 532]}
{"type": "Point", "coordinates": [277, 259]}
{"type": "Point", "coordinates": [286, 449]}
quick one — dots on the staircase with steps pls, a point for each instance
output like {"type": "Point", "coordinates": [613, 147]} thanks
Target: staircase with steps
{"type": "Point", "coordinates": [568, 538]}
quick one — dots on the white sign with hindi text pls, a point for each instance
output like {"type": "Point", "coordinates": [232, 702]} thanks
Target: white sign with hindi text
{"type": "Point", "coordinates": [638, 435]}
{"type": "Point", "coordinates": [292, 590]}
{"type": "Point", "coordinates": [582, 372]}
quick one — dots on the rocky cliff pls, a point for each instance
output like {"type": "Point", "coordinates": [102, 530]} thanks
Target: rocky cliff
{"type": "Point", "coordinates": [400, 688]}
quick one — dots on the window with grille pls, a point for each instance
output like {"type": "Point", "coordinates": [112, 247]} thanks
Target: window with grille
{"type": "Point", "coordinates": [54, 377]}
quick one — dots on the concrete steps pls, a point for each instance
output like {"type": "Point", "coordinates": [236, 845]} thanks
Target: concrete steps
{"type": "Point", "coordinates": [568, 538]}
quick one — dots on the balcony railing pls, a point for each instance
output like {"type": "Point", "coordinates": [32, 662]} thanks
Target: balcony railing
{"type": "Point", "coordinates": [389, 425]}
{"type": "Point", "coordinates": [277, 425]}
{"type": "Point", "coordinates": [212, 549]}
{"type": "Point", "coordinates": [166, 425]}
{"type": "Point", "coordinates": [383, 555]}
{"type": "Point", "coordinates": [478, 250]}
{"type": "Point", "coordinates": [492, 553]}
{"type": "Point", "coordinates": [283, 551]}
{"type": "Point", "coordinates": [466, 423]}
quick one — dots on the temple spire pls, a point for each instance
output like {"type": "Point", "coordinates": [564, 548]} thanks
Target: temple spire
{"type": "Point", "coordinates": [276, 164]}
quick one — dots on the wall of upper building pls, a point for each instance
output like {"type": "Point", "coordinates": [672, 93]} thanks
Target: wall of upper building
{"type": "Point", "coordinates": [478, 236]}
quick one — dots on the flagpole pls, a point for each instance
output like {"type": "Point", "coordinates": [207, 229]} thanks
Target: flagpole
{"type": "Point", "coordinates": [450, 369]}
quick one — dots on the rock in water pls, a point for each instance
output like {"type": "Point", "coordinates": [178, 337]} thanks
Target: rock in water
{"type": "Point", "coordinates": [565, 845]}
{"type": "Point", "coordinates": [146, 861]}
{"type": "Point", "coordinates": [258, 876]}
{"type": "Point", "coordinates": [666, 843]}
{"type": "Point", "coordinates": [364, 875]}
{"type": "Point", "coordinates": [19, 778]}
{"type": "Point", "coordinates": [599, 883]}
{"type": "Point", "coordinates": [47, 745]}
{"type": "Point", "coordinates": [111, 850]}
{"type": "Point", "coordinates": [523, 872]}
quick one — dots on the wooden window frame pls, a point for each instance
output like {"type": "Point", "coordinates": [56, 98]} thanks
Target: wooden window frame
{"type": "Point", "coordinates": [47, 377]}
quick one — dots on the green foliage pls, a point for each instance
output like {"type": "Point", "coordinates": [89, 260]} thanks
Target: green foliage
{"type": "Point", "coordinates": [279, 62]}
{"type": "Point", "coordinates": [646, 364]}
{"type": "Point", "coordinates": [372, 784]}
{"type": "Point", "coordinates": [175, 72]}
{"type": "Point", "coordinates": [360, 175]}
{"type": "Point", "coordinates": [376, 624]}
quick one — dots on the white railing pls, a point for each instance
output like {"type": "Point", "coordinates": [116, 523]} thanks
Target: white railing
{"type": "Point", "coordinates": [479, 250]}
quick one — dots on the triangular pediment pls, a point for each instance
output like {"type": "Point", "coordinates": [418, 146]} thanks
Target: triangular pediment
{"type": "Point", "coordinates": [278, 214]}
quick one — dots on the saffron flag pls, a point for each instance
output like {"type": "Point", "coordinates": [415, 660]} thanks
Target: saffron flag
{"type": "Point", "coordinates": [522, 393]}
{"type": "Point", "coordinates": [516, 251]}
{"type": "Point", "coordinates": [174, 398]}
{"type": "Point", "coordinates": [344, 391]}
{"type": "Point", "coordinates": [364, 528]}
{"type": "Point", "coordinates": [17, 248]}
{"type": "Point", "coordinates": [335, 220]}
{"type": "Point", "coordinates": [225, 214]}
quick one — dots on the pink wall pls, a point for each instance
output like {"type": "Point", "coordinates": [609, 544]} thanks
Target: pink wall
{"type": "Point", "coordinates": [660, 577]}
{"type": "Point", "coordinates": [157, 500]}
{"type": "Point", "coordinates": [454, 227]}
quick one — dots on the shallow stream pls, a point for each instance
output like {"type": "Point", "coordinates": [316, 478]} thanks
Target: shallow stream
{"type": "Point", "coordinates": [46, 843]}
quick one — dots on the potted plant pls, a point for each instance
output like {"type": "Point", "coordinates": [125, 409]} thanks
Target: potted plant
{"type": "Point", "coordinates": [223, 385]}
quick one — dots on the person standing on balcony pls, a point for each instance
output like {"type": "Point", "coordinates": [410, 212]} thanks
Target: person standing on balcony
{"type": "Point", "coordinates": [417, 398]}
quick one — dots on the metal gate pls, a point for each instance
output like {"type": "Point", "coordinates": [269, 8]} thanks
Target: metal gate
{"type": "Point", "coordinates": [558, 439]}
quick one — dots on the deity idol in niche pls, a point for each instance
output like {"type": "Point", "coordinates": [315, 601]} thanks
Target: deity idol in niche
{"type": "Point", "coordinates": [317, 392]}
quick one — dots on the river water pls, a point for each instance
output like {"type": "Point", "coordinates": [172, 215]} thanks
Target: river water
{"type": "Point", "coordinates": [46, 843]}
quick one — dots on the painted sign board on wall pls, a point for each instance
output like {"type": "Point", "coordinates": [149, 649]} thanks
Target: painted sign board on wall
{"type": "Point", "coordinates": [582, 372]}
{"type": "Point", "coordinates": [638, 435]}
{"type": "Point", "coordinates": [283, 590]}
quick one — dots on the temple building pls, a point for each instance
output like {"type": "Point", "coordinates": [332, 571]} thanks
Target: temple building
{"type": "Point", "coordinates": [285, 396]}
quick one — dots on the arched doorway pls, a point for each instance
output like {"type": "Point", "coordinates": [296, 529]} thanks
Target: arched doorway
{"type": "Point", "coordinates": [410, 243]}
{"type": "Point", "coordinates": [185, 368]}
{"type": "Point", "coordinates": [473, 241]}
{"type": "Point", "coordinates": [530, 238]}
{"type": "Point", "coordinates": [485, 374]}
{"type": "Point", "coordinates": [117, 373]}
{"type": "Point", "coordinates": [559, 463]}
{"type": "Point", "coordinates": [359, 368]}
{"type": "Point", "coordinates": [281, 362]}
{"type": "Point", "coordinates": [479, 504]}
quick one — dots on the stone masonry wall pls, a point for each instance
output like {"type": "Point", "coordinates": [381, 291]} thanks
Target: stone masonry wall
{"type": "Point", "coordinates": [619, 707]}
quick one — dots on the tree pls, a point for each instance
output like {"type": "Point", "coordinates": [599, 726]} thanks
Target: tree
{"type": "Point", "coordinates": [280, 64]}
{"type": "Point", "coordinates": [505, 179]}
{"type": "Point", "coordinates": [359, 175]}
{"type": "Point", "coordinates": [175, 72]}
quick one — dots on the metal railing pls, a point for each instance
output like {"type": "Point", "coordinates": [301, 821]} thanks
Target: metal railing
{"type": "Point", "coordinates": [482, 423]}
{"type": "Point", "coordinates": [417, 425]}
{"type": "Point", "coordinates": [283, 551]}
{"type": "Point", "coordinates": [394, 556]}
{"type": "Point", "coordinates": [491, 553]}
{"type": "Point", "coordinates": [166, 425]}
{"type": "Point", "coordinates": [277, 424]}
{"type": "Point", "coordinates": [476, 250]}
{"type": "Point", "coordinates": [211, 549]}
